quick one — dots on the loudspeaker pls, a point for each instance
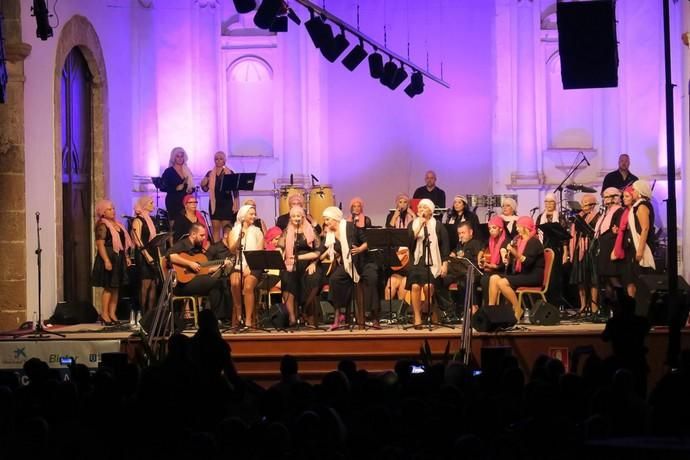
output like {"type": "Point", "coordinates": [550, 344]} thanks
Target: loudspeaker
{"type": "Point", "coordinates": [587, 44]}
{"type": "Point", "coordinates": [397, 306]}
{"type": "Point", "coordinates": [493, 318]}
{"type": "Point", "coordinates": [150, 315]}
{"type": "Point", "coordinates": [651, 299]}
{"type": "Point", "coordinates": [74, 313]}
{"type": "Point", "coordinates": [545, 314]}
{"type": "Point", "coordinates": [277, 317]}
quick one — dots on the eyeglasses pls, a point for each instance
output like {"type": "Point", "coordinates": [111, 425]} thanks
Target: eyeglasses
{"type": "Point", "coordinates": [192, 202]}
{"type": "Point", "coordinates": [611, 196]}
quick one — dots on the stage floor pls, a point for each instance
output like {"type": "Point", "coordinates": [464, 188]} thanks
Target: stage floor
{"type": "Point", "coordinates": [257, 354]}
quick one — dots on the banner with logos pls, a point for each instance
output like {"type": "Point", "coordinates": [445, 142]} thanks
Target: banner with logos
{"type": "Point", "coordinates": [13, 354]}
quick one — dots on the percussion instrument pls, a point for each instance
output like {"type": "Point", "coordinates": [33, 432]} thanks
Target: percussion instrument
{"type": "Point", "coordinates": [320, 197]}
{"type": "Point", "coordinates": [404, 256]}
{"type": "Point", "coordinates": [286, 191]}
{"type": "Point", "coordinates": [580, 188]}
{"type": "Point", "coordinates": [478, 201]}
{"type": "Point", "coordinates": [496, 201]}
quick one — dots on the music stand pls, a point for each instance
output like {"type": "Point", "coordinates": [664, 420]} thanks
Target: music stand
{"type": "Point", "coordinates": [453, 238]}
{"type": "Point", "coordinates": [262, 260]}
{"type": "Point", "coordinates": [236, 182]}
{"type": "Point", "coordinates": [388, 240]}
{"type": "Point", "coordinates": [554, 232]}
{"type": "Point", "coordinates": [583, 227]}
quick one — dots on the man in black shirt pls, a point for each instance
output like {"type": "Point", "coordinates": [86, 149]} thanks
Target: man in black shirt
{"type": "Point", "coordinates": [621, 177]}
{"type": "Point", "coordinates": [469, 248]}
{"type": "Point", "coordinates": [430, 191]}
{"type": "Point", "coordinates": [211, 285]}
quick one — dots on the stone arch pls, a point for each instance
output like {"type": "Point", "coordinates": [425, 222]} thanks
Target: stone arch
{"type": "Point", "coordinates": [79, 32]}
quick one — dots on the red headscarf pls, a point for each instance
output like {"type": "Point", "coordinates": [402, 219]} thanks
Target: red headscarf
{"type": "Point", "coordinates": [199, 217]}
{"type": "Point", "coordinates": [618, 251]}
{"type": "Point", "coordinates": [290, 235]}
{"type": "Point", "coordinates": [360, 217]}
{"type": "Point", "coordinates": [270, 235]}
{"type": "Point", "coordinates": [496, 243]}
{"type": "Point", "coordinates": [528, 223]}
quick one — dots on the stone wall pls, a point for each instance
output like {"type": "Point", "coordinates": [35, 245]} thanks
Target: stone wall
{"type": "Point", "coordinates": [12, 182]}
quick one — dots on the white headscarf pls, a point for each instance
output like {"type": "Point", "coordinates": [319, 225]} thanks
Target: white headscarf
{"type": "Point", "coordinates": [642, 187]}
{"type": "Point", "coordinates": [433, 239]}
{"type": "Point", "coordinates": [252, 239]}
{"type": "Point", "coordinates": [332, 212]}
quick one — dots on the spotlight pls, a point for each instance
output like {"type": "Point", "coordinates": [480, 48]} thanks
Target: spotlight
{"type": "Point", "coordinates": [293, 16]}
{"type": "Point", "coordinates": [43, 29]}
{"type": "Point", "coordinates": [388, 74]}
{"type": "Point", "coordinates": [416, 85]}
{"type": "Point", "coordinates": [320, 32]}
{"type": "Point", "coordinates": [398, 78]}
{"type": "Point", "coordinates": [267, 13]}
{"type": "Point", "coordinates": [244, 6]}
{"type": "Point", "coordinates": [375, 65]}
{"type": "Point", "coordinates": [355, 57]}
{"type": "Point", "coordinates": [279, 24]}
{"type": "Point", "coordinates": [337, 47]}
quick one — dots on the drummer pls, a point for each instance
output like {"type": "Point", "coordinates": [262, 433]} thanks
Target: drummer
{"type": "Point", "coordinates": [430, 191]}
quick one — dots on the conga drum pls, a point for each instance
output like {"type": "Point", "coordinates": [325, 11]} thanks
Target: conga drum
{"type": "Point", "coordinates": [286, 191]}
{"type": "Point", "coordinates": [320, 198]}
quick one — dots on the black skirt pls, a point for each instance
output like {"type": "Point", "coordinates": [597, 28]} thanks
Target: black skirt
{"type": "Point", "coordinates": [145, 271]}
{"type": "Point", "coordinates": [299, 283]}
{"type": "Point", "coordinates": [421, 275]}
{"type": "Point", "coordinates": [115, 278]}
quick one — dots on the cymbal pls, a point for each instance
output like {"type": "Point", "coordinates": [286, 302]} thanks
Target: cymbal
{"type": "Point", "coordinates": [580, 188]}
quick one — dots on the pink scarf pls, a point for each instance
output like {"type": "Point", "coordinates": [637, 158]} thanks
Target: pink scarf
{"type": "Point", "coordinates": [495, 244]}
{"type": "Point", "coordinates": [291, 236]}
{"type": "Point", "coordinates": [527, 222]}
{"type": "Point", "coordinates": [139, 211]}
{"type": "Point", "coordinates": [360, 216]}
{"type": "Point", "coordinates": [618, 250]}
{"type": "Point", "coordinates": [604, 224]}
{"type": "Point", "coordinates": [271, 233]}
{"type": "Point", "coordinates": [114, 227]}
{"type": "Point", "coordinates": [212, 184]}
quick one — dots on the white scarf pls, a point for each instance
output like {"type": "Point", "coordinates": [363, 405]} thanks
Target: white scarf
{"type": "Point", "coordinates": [647, 257]}
{"type": "Point", "coordinates": [510, 222]}
{"type": "Point", "coordinates": [433, 244]}
{"type": "Point", "coordinates": [344, 249]}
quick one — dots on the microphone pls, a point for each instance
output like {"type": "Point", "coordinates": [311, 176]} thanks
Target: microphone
{"type": "Point", "coordinates": [354, 217]}
{"type": "Point", "coordinates": [124, 216]}
{"type": "Point", "coordinates": [291, 179]}
{"type": "Point", "coordinates": [314, 178]}
{"type": "Point", "coordinates": [204, 213]}
{"type": "Point", "coordinates": [38, 214]}
{"type": "Point", "coordinates": [585, 158]}
{"type": "Point", "coordinates": [340, 205]}
{"type": "Point", "coordinates": [533, 210]}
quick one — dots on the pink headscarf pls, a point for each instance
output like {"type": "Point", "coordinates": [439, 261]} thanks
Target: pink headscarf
{"type": "Point", "coordinates": [290, 236]}
{"type": "Point", "coordinates": [496, 243]}
{"type": "Point", "coordinates": [360, 217]}
{"type": "Point", "coordinates": [270, 235]}
{"type": "Point", "coordinates": [140, 212]}
{"type": "Point", "coordinates": [409, 214]}
{"type": "Point", "coordinates": [618, 251]}
{"type": "Point", "coordinates": [528, 223]}
{"type": "Point", "coordinates": [113, 226]}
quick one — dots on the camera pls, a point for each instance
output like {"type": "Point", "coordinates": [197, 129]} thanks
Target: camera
{"type": "Point", "coordinates": [66, 360]}
{"type": "Point", "coordinates": [476, 373]}
{"type": "Point", "coordinates": [415, 369]}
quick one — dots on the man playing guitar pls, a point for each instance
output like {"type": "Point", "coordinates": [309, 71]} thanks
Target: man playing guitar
{"type": "Point", "coordinates": [184, 256]}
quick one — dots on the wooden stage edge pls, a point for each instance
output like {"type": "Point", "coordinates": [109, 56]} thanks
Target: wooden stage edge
{"type": "Point", "coordinates": [257, 354]}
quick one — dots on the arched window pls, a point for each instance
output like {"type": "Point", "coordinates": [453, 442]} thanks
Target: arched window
{"type": "Point", "coordinates": [250, 107]}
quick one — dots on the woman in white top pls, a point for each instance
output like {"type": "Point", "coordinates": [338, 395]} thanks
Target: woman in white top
{"type": "Point", "coordinates": [245, 236]}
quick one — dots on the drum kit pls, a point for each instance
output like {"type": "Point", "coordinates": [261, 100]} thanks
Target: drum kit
{"type": "Point", "coordinates": [317, 198]}
{"type": "Point", "coordinates": [488, 201]}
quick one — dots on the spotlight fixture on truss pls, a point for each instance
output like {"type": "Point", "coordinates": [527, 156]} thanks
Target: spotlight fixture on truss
{"type": "Point", "coordinates": [40, 12]}
{"type": "Point", "coordinates": [273, 15]}
{"type": "Point", "coordinates": [319, 30]}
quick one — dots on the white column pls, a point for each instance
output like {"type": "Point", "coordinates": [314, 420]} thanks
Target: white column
{"type": "Point", "coordinates": [526, 123]}
{"type": "Point", "coordinates": [683, 191]}
{"type": "Point", "coordinates": [292, 112]}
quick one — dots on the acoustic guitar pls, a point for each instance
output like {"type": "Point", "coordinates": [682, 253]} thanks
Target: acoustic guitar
{"type": "Point", "coordinates": [404, 256]}
{"type": "Point", "coordinates": [186, 274]}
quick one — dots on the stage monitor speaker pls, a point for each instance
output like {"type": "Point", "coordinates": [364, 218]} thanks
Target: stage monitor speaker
{"type": "Point", "coordinates": [587, 44]}
{"type": "Point", "coordinates": [74, 313]}
{"type": "Point", "coordinates": [651, 299]}
{"type": "Point", "coordinates": [545, 314]}
{"type": "Point", "coordinates": [277, 317]}
{"type": "Point", "coordinates": [493, 318]}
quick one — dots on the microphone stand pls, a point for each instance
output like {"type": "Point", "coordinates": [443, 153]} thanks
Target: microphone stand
{"type": "Point", "coordinates": [465, 350]}
{"type": "Point", "coordinates": [559, 189]}
{"type": "Point", "coordinates": [38, 331]}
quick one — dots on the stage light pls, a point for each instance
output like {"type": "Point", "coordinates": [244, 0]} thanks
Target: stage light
{"type": "Point", "coordinates": [375, 65]}
{"type": "Point", "coordinates": [43, 29]}
{"type": "Point", "coordinates": [279, 24]}
{"type": "Point", "coordinates": [244, 6]}
{"type": "Point", "coordinates": [320, 32]}
{"type": "Point", "coordinates": [416, 85]}
{"type": "Point", "coordinates": [337, 47]}
{"type": "Point", "coordinates": [355, 57]}
{"type": "Point", "coordinates": [398, 78]}
{"type": "Point", "coordinates": [388, 74]}
{"type": "Point", "coordinates": [266, 14]}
